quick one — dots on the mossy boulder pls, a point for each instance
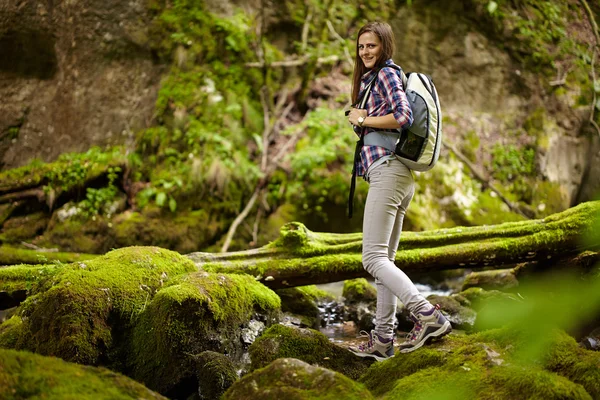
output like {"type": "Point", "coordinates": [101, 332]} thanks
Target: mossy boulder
{"type": "Point", "coordinates": [457, 309]}
{"type": "Point", "coordinates": [360, 305]}
{"type": "Point", "coordinates": [495, 363]}
{"type": "Point", "coordinates": [303, 302]}
{"type": "Point", "coordinates": [24, 375]}
{"type": "Point", "coordinates": [196, 313]}
{"type": "Point", "coordinates": [294, 379]}
{"type": "Point", "coordinates": [500, 279]}
{"type": "Point", "coordinates": [87, 299]}
{"type": "Point", "coordinates": [144, 311]}
{"type": "Point", "coordinates": [307, 345]}
{"type": "Point", "coordinates": [216, 373]}
{"type": "Point", "coordinates": [359, 290]}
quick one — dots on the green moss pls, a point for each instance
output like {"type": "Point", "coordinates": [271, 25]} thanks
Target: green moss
{"type": "Point", "coordinates": [184, 318]}
{"type": "Point", "coordinates": [566, 358]}
{"type": "Point", "coordinates": [302, 302]}
{"type": "Point", "coordinates": [549, 197]}
{"type": "Point", "coordinates": [29, 376]}
{"type": "Point", "coordinates": [66, 173]}
{"type": "Point", "coordinates": [294, 379]}
{"type": "Point", "coordinates": [184, 232]}
{"type": "Point", "coordinates": [307, 345]}
{"type": "Point", "coordinates": [381, 377]}
{"type": "Point", "coordinates": [216, 373]}
{"type": "Point", "coordinates": [24, 228]}
{"type": "Point", "coordinates": [10, 332]}
{"type": "Point", "coordinates": [33, 278]}
{"type": "Point", "coordinates": [356, 290]}
{"type": "Point", "coordinates": [523, 382]}
{"type": "Point", "coordinates": [84, 297]}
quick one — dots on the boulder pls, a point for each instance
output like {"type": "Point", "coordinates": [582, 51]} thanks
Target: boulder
{"type": "Point", "coordinates": [307, 345]}
{"type": "Point", "coordinates": [24, 376]}
{"type": "Point", "coordinates": [500, 279]}
{"type": "Point", "coordinates": [295, 379]}
{"type": "Point", "coordinates": [143, 311]}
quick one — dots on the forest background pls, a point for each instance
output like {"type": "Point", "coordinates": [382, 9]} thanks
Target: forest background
{"type": "Point", "coordinates": [205, 126]}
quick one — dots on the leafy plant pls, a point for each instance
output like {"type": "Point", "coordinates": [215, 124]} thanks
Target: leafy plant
{"type": "Point", "coordinates": [97, 200]}
{"type": "Point", "coordinates": [163, 194]}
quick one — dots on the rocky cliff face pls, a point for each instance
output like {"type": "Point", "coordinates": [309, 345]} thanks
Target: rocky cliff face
{"type": "Point", "coordinates": [488, 94]}
{"type": "Point", "coordinates": [73, 74]}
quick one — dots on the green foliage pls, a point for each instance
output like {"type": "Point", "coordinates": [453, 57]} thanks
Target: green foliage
{"type": "Point", "coordinates": [537, 30]}
{"type": "Point", "coordinates": [515, 168]}
{"type": "Point", "coordinates": [509, 162]}
{"type": "Point", "coordinates": [321, 164]}
{"type": "Point", "coordinates": [162, 193]}
{"type": "Point", "coordinates": [71, 170]}
{"type": "Point", "coordinates": [97, 200]}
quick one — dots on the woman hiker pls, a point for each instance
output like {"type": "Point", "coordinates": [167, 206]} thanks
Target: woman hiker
{"type": "Point", "coordinates": [391, 188]}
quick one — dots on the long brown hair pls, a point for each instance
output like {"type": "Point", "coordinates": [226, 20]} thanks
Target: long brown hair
{"type": "Point", "coordinates": [384, 32]}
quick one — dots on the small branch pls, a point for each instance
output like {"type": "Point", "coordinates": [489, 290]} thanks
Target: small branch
{"type": "Point", "coordinates": [37, 248]}
{"type": "Point", "coordinates": [266, 129]}
{"type": "Point", "coordinates": [480, 177]}
{"type": "Point", "coordinates": [305, 29]}
{"type": "Point", "coordinates": [24, 195]}
{"type": "Point", "coordinates": [342, 41]}
{"type": "Point", "coordinates": [592, 21]}
{"type": "Point", "coordinates": [238, 220]}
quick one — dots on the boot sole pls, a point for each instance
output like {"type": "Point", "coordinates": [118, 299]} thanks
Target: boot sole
{"type": "Point", "coordinates": [441, 332]}
{"type": "Point", "coordinates": [365, 355]}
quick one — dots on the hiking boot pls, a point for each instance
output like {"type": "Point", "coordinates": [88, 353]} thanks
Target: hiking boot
{"type": "Point", "coordinates": [428, 325]}
{"type": "Point", "coordinates": [376, 347]}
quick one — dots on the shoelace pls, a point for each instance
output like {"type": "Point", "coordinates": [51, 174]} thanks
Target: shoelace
{"type": "Point", "coordinates": [369, 344]}
{"type": "Point", "coordinates": [412, 335]}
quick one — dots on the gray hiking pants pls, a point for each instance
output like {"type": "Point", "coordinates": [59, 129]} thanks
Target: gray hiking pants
{"type": "Point", "coordinates": [391, 188]}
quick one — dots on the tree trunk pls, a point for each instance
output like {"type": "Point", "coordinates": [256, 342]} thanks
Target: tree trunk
{"type": "Point", "coordinates": [301, 257]}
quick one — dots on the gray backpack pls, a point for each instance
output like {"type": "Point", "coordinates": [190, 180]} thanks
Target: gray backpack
{"type": "Point", "coordinates": [418, 147]}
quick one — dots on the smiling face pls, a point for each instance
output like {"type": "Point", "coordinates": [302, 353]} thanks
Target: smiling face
{"type": "Point", "coordinates": [369, 49]}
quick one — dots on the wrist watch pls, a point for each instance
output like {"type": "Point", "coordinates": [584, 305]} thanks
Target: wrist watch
{"type": "Point", "coordinates": [361, 121]}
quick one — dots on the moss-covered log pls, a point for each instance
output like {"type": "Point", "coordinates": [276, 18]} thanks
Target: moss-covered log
{"type": "Point", "coordinates": [301, 257]}
{"type": "Point", "coordinates": [10, 255]}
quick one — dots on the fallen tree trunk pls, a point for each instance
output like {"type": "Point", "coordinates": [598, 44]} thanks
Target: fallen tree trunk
{"type": "Point", "coordinates": [301, 257]}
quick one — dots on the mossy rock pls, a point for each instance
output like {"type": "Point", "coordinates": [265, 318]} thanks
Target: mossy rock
{"type": "Point", "coordinates": [144, 311]}
{"type": "Point", "coordinates": [302, 302]}
{"type": "Point", "coordinates": [294, 379]}
{"type": "Point", "coordinates": [307, 345]}
{"type": "Point", "coordinates": [455, 309]}
{"type": "Point", "coordinates": [359, 290]}
{"type": "Point", "coordinates": [488, 365]}
{"type": "Point", "coordinates": [23, 228]}
{"type": "Point", "coordinates": [30, 376]}
{"type": "Point", "coordinates": [478, 296]}
{"type": "Point", "coordinates": [196, 313]}
{"type": "Point", "coordinates": [216, 373]}
{"type": "Point", "coordinates": [86, 299]}
{"type": "Point", "coordinates": [500, 279]}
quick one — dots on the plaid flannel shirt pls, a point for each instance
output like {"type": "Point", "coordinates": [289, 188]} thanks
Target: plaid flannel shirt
{"type": "Point", "coordinates": [387, 96]}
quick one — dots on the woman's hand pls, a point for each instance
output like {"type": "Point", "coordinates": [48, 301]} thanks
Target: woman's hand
{"type": "Point", "coordinates": [354, 114]}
